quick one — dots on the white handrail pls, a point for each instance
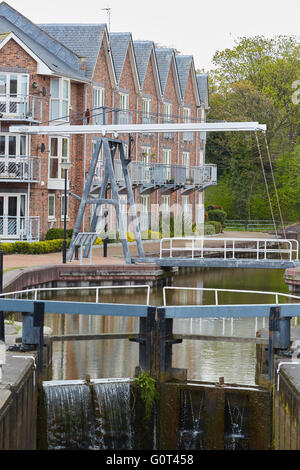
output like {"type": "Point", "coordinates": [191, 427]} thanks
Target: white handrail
{"type": "Point", "coordinates": [36, 290]}
{"type": "Point", "coordinates": [217, 290]}
{"type": "Point", "coordinates": [292, 250]}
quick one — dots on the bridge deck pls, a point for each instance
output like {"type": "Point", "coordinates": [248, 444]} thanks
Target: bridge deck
{"type": "Point", "coordinates": [220, 263]}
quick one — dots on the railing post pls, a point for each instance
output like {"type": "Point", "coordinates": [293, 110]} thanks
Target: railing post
{"type": "Point", "coordinates": [273, 327]}
{"type": "Point", "coordinates": [38, 321]}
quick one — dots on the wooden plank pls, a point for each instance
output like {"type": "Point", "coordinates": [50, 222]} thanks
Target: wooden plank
{"type": "Point", "coordinates": [90, 336]}
{"type": "Point", "coordinates": [230, 339]}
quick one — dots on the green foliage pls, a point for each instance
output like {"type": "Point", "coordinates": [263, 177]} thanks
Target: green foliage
{"type": "Point", "coordinates": [253, 82]}
{"type": "Point", "coordinates": [35, 248]}
{"type": "Point", "coordinates": [212, 227]}
{"type": "Point", "coordinates": [148, 391]}
{"type": "Point", "coordinates": [217, 214]}
{"type": "Point", "coordinates": [58, 233]}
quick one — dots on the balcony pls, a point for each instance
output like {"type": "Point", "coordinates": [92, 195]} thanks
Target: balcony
{"type": "Point", "coordinates": [168, 135]}
{"type": "Point", "coordinates": [20, 169]}
{"type": "Point", "coordinates": [188, 137]}
{"type": "Point", "coordinates": [152, 176]}
{"type": "Point", "coordinates": [148, 119]}
{"type": "Point", "coordinates": [123, 116]}
{"type": "Point", "coordinates": [21, 108]}
{"type": "Point", "coordinates": [20, 228]}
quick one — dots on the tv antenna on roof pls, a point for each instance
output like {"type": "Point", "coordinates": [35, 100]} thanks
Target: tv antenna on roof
{"type": "Point", "coordinates": [108, 10]}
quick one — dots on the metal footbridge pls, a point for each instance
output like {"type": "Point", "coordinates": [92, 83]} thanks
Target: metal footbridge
{"type": "Point", "coordinates": [218, 252]}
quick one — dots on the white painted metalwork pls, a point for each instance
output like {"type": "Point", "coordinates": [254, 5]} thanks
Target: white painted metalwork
{"type": "Point", "coordinates": [18, 107]}
{"type": "Point", "coordinates": [20, 228]}
{"type": "Point", "coordinates": [217, 290]}
{"type": "Point", "coordinates": [21, 169]}
{"type": "Point", "coordinates": [260, 247]}
{"type": "Point", "coordinates": [117, 129]}
{"type": "Point", "coordinates": [159, 174]}
{"type": "Point", "coordinates": [36, 290]}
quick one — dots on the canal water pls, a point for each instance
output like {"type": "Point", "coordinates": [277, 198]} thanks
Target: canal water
{"type": "Point", "coordinates": [204, 360]}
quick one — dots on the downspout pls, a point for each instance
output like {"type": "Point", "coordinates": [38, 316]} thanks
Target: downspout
{"type": "Point", "coordinates": [84, 155]}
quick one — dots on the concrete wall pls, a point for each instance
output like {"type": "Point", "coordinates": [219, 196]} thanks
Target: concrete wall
{"type": "Point", "coordinates": [18, 404]}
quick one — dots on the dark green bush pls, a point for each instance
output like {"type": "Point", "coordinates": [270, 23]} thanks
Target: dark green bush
{"type": "Point", "coordinates": [212, 227]}
{"type": "Point", "coordinates": [217, 215]}
{"type": "Point", "coordinates": [58, 234]}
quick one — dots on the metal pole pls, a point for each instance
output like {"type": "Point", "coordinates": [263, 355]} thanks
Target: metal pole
{"type": "Point", "coordinates": [2, 331]}
{"type": "Point", "coordinates": [65, 222]}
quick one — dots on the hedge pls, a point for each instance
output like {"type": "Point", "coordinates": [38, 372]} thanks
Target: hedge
{"type": "Point", "coordinates": [58, 234]}
{"type": "Point", "coordinates": [217, 215]}
{"type": "Point", "coordinates": [35, 248]}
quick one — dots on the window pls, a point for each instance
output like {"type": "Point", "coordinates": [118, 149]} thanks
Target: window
{"type": "Point", "coordinates": [13, 93]}
{"type": "Point", "coordinates": [146, 111]}
{"type": "Point", "coordinates": [185, 204]}
{"type": "Point", "coordinates": [186, 115]}
{"type": "Point", "coordinates": [186, 162]}
{"type": "Point", "coordinates": [98, 102]}
{"type": "Point", "coordinates": [166, 156]}
{"type": "Point", "coordinates": [59, 152]}
{"type": "Point", "coordinates": [165, 204]}
{"type": "Point", "coordinates": [146, 155]}
{"type": "Point", "coordinates": [51, 206]}
{"type": "Point", "coordinates": [123, 204]}
{"type": "Point", "coordinates": [124, 101]}
{"type": "Point", "coordinates": [167, 112]}
{"type": "Point", "coordinates": [63, 206]}
{"type": "Point", "coordinates": [60, 99]}
{"type": "Point", "coordinates": [145, 202]}
{"type": "Point", "coordinates": [13, 145]}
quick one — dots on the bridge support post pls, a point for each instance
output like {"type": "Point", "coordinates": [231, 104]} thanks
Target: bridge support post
{"type": "Point", "coordinates": [279, 335]}
{"type": "Point", "coordinates": [165, 341]}
{"type": "Point", "coordinates": [146, 342]}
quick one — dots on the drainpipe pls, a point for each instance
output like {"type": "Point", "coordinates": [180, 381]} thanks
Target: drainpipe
{"type": "Point", "coordinates": [84, 154]}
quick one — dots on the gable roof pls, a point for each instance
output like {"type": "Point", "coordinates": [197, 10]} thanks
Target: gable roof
{"type": "Point", "coordinates": [185, 65]}
{"type": "Point", "coordinates": [84, 39]}
{"type": "Point", "coordinates": [202, 82]}
{"type": "Point", "coordinates": [144, 52]}
{"type": "Point", "coordinates": [165, 60]}
{"type": "Point", "coordinates": [58, 58]}
{"type": "Point", "coordinates": [120, 45]}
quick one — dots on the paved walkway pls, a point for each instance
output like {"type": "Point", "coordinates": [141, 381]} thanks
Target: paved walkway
{"type": "Point", "coordinates": [115, 253]}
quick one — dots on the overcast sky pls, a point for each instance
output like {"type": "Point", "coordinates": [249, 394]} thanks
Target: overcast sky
{"type": "Point", "coordinates": [193, 27]}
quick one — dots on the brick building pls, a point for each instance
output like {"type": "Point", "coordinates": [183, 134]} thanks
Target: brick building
{"type": "Point", "coordinates": [81, 73]}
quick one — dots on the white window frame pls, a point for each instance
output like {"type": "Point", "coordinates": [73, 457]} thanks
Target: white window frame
{"type": "Point", "coordinates": [145, 204]}
{"type": "Point", "coordinates": [61, 99]}
{"type": "Point", "coordinates": [51, 217]}
{"type": "Point", "coordinates": [124, 101]}
{"type": "Point", "coordinates": [62, 206]}
{"type": "Point", "coordinates": [165, 202]}
{"type": "Point", "coordinates": [17, 137]}
{"type": "Point", "coordinates": [166, 160]}
{"type": "Point", "coordinates": [146, 110]}
{"type": "Point", "coordinates": [58, 182]}
{"type": "Point", "coordinates": [18, 100]}
{"type": "Point", "coordinates": [98, 102]}
{"type": "Point", "coordinates": [186, 115]}
{"type": "Point", "coordinates": [185, 204]}
{"type": "Point", "coordinates": [167, 112]}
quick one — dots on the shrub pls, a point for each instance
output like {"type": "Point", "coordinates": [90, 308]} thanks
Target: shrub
{"type": "Point", "coordinates": [7, 248]}
{"type": "Point", "coordinates": [58, 234]}
{"type": "Point", "coordinates": [212, 228]}
{"type": "Point", "coordinates": [217, 215]}
{"type": "Point", "coordinates": [21, 247]}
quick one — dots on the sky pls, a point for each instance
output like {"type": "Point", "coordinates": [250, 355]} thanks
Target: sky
{"type": "Point", "coordinates": [193, 27]}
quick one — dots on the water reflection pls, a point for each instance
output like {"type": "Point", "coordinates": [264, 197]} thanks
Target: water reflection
{"type": "Point", "coordinates": [205, 360]}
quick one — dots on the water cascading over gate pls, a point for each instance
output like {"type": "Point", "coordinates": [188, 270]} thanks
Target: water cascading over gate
{"type": "Point", "coordinates": [88, 416]}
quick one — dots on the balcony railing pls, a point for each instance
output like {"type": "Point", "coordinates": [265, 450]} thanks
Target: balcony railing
{"type": "Point", "coordinates": [22, 169]}
{"type": "Point", "coordinates": [21, 107]}
{"type": "Point", "coordinates": [20, 228]}
{"type": "Point", "coordinates": [159, 174]}
{"type": "Point", "coordinates": [123, 117]}
{"type": "Point", "coordinates": [188, 137]}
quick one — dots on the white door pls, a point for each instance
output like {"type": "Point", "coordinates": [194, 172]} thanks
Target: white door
{"type": "Point", "coordinates": [12, 215]}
